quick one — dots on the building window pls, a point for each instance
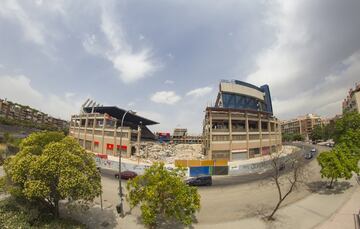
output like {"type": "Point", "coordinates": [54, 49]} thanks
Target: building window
{"type": "Point", "coordinates": [88, 145]}
{"type": "Point", "coordinates": [124, 134]}
{"type": "Point", "coordinates": [254, 152]}
{"type": "Point", "coordinates": [264, 126]}
{"type": "Point", "coordinates": [239, 137]}
{"type": "Point", "coordinates": [253, 126]}
{"type": "Point", "coordinates": [254, 137]}
{"type": "Point", "coordinates": [220, 126]}
{"type": "Point", "coordinates": [217, 138]}
{"type": "Point", "coordinates": [109, 133]}
{"type": "Point", "coordinates": [238, 126]}
{"type": "Point", "coordinates": [265, 136]}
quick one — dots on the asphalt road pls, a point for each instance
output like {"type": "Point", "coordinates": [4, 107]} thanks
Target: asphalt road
{"type": "Point", "coordinates": [231, 198]}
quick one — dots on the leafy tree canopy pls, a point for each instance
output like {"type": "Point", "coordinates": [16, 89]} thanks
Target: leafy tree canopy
{"type": "Point", "coordinates": [50, 168]}
{"type": "Point", "coordinates": [350, 121]}
{"type": "Point", "coordinates": [162, 196]}
{"type": "Point", "coordinates": [338, 163]}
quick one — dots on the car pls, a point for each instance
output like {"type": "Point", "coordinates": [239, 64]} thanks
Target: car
{"type": "Point", "coordinates": [126, 175]}
{"type": "Point", "coordinates": [313, 150]}
{"type": "Point", "coordinates": [281, 166]}
{"type": "Point", "coordinates": [308, 155]}
{"type": "Point", "coordinates": [199, 181]}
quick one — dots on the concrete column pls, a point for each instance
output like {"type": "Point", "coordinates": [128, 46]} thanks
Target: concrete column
{"type": "Point", "coordinates": [138, 142]}
{"type": "Point", "coordinates": [93, 133]}
{"type": "Point", "coordinates": [115, 135]}
{"type": "Point", "coordinates": [79, 126]}
{"type": "Point", "coordinates": [270, 135]}
{"type": "Point", "coordinates": [103, 132]}
{"type": "Point", "coordinates": [247, 133]}
{"type": "Point", "coordinates": [260, 133]}
{"type": "Point", "coordinates": [230, 136]}
{"type": "Point", "coordinates": [85, 131]}
{"type": "Point", "coordinates": [210, 138]}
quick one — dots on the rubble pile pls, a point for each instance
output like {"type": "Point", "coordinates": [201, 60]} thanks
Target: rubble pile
{"type": "Point", "coordinates": [168, 153]}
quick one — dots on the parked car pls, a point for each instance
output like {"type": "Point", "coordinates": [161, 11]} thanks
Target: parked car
{"type": "Point", "coordinates": [199, 181]}
{"type": "Point", "coordinates": [308, 155]}
{"type": "Point", "coordinates": [281, 166]}
{"type": "Point", "coordinates": [126, 175]}
{"type": "Point", "coordinates": [313, 150]}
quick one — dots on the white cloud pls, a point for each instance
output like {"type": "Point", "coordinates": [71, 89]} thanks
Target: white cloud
{"type": "Point", "coordinates": [324, 99]}
{"type": "Point", "coordinates": [306, 74]}
{"type": "Point", "coordinates": [165, 97]}
{"type": "Point", "coordinates": [131, 66]}
{"type": "Point", "coordinates": [169, 82]}
{"type": "Point", "coordinates": [199, 92]}
{"type": "Point", "coordinates": [18, 89]}
{"type": "Point", "coordinates": [33, 30]}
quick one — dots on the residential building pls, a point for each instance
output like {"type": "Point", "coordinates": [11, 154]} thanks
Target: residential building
{"type": "Point", "coordinates": [98, 129]}
{"type": "Point", "coordinates": [352, 102]}
{"type": "Point", "coordinates": [15, 111]}
{"type": "Point", "coordinates": [302, 125]}
{"type": "Point", "coordinates": [241, 125]}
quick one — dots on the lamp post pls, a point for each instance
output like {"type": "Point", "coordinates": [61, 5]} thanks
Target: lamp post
{"type": "Point", "coordinates": [119, 207]}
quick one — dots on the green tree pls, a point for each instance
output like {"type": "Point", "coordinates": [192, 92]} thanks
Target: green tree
{"type": "Point", "coordinates": [350, 121]}
{"type": "Point", "coordinates": [163, 196]}
{"type": "Point", "coordinates": [51, 167]}
{"type": "Point", "coordinates": [317, 133]}
{"type": "Point", "coordinates": [338, 163]}
{"type": "Point", "coordinates": [298, 137]}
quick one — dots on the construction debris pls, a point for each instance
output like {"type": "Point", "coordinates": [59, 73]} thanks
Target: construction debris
{"type": "Point", "coordinates": [168, 153]}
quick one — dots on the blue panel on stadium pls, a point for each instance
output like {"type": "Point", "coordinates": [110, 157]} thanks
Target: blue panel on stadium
{"type": "Point", "coordinates": [199, 171]}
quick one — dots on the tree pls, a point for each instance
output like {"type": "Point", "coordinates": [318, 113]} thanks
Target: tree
{"type": "Point", "coordinates": [163, 196]}
{"type": "Point", "coordinates": [285, 183]}
{"type": "Point", "coordinates": [338, 163]}
{"type": "Point", "coordinates": [317, 133]}
{"type": "Point", "coordinates": [350, 121]}
{"type": "Point", "coordinates": [298, 137]}
{"type": "Point", "coordinates": [50, 168]}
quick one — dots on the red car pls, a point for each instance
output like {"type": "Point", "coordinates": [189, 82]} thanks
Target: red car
{"type": "Point", "coordinates": [126, 175]}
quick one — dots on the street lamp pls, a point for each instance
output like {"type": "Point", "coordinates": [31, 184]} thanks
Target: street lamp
{"type": "Point", "coordinates": [119, 207]}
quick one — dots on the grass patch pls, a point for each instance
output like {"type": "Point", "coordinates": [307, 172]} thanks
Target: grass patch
{"type": "Point", "coordinates": [15, 214]}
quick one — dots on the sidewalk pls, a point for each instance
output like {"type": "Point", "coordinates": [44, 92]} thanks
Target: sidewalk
{"type": "Point", "coordinates": [308, 213]}
{"type": "Point", "coordinates": [344, 217]}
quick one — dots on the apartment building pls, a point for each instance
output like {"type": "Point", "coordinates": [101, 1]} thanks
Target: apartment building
{"type": "Point", "coordinates": [15, 111]}
{"type": "Point", "coordinates": [303, 125]}
{"type": "Point", "coordinates": [241, 125]}
{"type": "Point", "coordinates": [352, 102]}
{"type": "Point", "coordinates": [98, 130]}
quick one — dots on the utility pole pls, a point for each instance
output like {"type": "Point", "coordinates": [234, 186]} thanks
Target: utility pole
{"type": "Point", "coordinates": [119, 207]}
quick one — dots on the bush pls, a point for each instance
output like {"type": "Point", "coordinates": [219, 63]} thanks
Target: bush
{"type": "Point", "coordinates": [17, 214]}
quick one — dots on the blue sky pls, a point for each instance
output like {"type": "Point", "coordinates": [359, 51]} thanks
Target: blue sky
{"type": "Point", "coordinates": [164, 59]}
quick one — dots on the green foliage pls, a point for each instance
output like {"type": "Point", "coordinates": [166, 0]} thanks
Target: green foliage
{"type": "Point", "coordinates": [51, 167]}
{"type": "Point", "coordinates": [292, 137]}
{"type": "Point", "coordinates": [338, 163]}
{"type": "Point", "coordinates": [350, 121]}
{"type": "Point", "coordinates": [16, 214]}
{"type": "Point", "coordinates": [317, 133]}
{"type": "Point", "coordinates": [163, 196]}
{"type": "Point", "coordinates": [28, 124]}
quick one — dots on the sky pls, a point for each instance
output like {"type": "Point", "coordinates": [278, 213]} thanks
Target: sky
{"type": "Point", "coordinates": [164, 59]}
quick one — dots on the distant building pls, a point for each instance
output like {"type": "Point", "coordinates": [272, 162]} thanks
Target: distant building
{"type": "Point", "coordinates": [15, 111]}
{"type": "Point", "coordinates": [241, 125]}
{"type": "Point", "coordinates": [181, 136]}
{"type": "Point", "coordinates": [98, 130]}
{"type": "Point", "coordinates": [302, 125]}
{"type": "Point", "coordinates": [352, 102]}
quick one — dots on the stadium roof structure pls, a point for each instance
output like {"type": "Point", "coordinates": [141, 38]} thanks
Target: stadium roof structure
{"type": "Point", "coordinates": [118, 114]}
